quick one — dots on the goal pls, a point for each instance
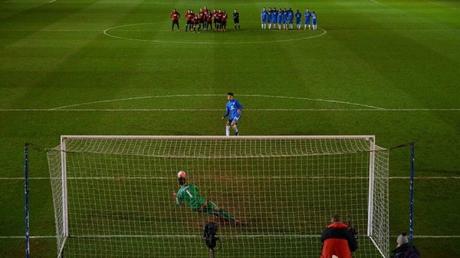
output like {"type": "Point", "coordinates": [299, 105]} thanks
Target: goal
{"type": "Point", "coordinates": [113, 195]}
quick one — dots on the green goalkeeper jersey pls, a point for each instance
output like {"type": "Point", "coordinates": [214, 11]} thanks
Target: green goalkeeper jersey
{"type": "Point", "coordinates": [190, 195]}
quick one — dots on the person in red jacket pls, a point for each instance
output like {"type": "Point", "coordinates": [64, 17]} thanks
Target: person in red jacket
{"type": "Point", "coordinates": [339, 240]}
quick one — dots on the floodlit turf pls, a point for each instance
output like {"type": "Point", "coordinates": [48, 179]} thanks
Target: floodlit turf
{"type": "Point", "coordinates": [391, 54]}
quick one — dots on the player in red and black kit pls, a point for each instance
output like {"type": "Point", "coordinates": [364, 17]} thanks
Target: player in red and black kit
{"type": "Point", "coordinates": [213, 17]}
{"type": "Point", "coordinates": [175, 19]}
{"type": "Point", "coordinates": [196, 23]}
{"type": "Point", "coordinates": [339, 239]}
{"type": "Point", "coordinates": [209, 20]}
{"type": "Point", "coordinates": [189, 17]}
{"type": "Point", "coordinates": [224, 21]}
{"type": "Point", "coordinates": [186, 19]}
{"type": "Point", "coordinates": [205, 18]}
{"type": "Point", "coordinates": [218, 20]}
{"type": "Point", "coordinates": [200, 19]}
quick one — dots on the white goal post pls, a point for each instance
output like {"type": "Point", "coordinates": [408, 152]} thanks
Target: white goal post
{"type": "Point", "coordinates": [272, 195]}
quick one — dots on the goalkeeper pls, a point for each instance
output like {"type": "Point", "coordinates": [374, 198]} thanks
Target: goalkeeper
{"type": "Point", "coordinates": [190, 195]}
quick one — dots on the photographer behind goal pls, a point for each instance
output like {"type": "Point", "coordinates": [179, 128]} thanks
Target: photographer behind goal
{"type": "Point", "coordinates": [339, 239]}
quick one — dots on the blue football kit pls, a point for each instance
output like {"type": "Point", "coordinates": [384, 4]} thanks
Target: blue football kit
{"type": "Point", "coordinates": [274, 16]}
{"type": "Point", "coordinates": [290, 17]}
{"type": "Point", "coordinates": [263, 16]}
{"type": "Point", "coordinates": [298, 18]}
{"type": "Point", "coordinates": [307, 17]}
{"type": "Point", "coordinates": [232, 108]}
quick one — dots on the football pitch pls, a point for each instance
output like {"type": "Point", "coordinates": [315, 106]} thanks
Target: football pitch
{"type": "Point", "coordinates": [389, 68]}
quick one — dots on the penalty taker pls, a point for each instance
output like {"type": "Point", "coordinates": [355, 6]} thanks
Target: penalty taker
{"type": "Point", "coordinates": [233, 110]}
{"type": "Point", "coordinates": [190, 195]}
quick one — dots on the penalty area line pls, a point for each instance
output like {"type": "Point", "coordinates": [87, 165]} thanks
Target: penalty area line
{"type": "Point", "coordinates": [218, 110]}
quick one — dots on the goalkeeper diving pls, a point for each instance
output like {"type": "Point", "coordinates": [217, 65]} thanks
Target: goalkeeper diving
{"type": "Point", "coordinates": [189, 195]}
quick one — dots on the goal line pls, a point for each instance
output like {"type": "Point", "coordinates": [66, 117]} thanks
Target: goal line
{"type": "Point", "coordinates": [305, 236]}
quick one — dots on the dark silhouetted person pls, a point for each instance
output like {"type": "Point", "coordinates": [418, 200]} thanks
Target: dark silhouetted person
{"type": "Point", "coordinates": [339, 240]}
{"type": "Point", "coordinates": [404, 249]}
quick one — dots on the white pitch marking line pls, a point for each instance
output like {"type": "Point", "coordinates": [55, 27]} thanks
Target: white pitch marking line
{"type": "Point", "coordinates": [166, 236]}
{"type": "Point", "coordinates": [427, 177]}
{"type": "Point", "coordinates": [435, 236]}
{"type": "Point", "coordinates": [218, 110]}
{"type": "Point", "coordinates": [107, 33]}
{"type": "Point", "coordinates": [218, 95]}
{"type": "Point", "coordinates": [242, 178]}
{"type": "Point", "coordinates": [32, 237]}
{"type": "Point", "coordinates": [193, 236]}
{"type": "Point", "coordinates": [315, 100]}
{"type": "Point", "coordinates": [364, 107]}
{"type": "Point", "coordinates": [376, 2]}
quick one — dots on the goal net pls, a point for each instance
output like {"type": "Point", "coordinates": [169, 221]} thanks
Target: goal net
{"type": "Point", "coordinates": [271, 196]}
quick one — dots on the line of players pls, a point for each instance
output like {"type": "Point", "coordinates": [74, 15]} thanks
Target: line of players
{"type": "Point", "coordinates": [205, 19]}
{"type": "Point", "coordinates": [283, 19]}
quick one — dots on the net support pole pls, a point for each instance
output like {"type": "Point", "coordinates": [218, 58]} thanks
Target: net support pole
{"type": "Point", "coordinates": [26, 201]}
{"type": "Point", "coordinates": [65, 224]}
{"type": "Point", "coordinates": [370, 205]}
{"type": "Point", "coordinates": [411, 191]}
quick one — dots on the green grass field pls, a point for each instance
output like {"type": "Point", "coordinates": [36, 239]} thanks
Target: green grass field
{"type": "Point", "coordinates": [383, 67]}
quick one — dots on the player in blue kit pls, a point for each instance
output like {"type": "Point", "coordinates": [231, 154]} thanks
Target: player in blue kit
{"type": "Point", "coordinates": [232, 113]}
{"type": "Point", "coordinates": [264, 18]}
{"type": "Point", "coordinates": [270, 13]}
{"type": "Point", "coordinates": [279, 18]}
{"type": "Point", "coordinates": [284, 19]}
{"type": "Point", "coordinates": [307, 19]}
{"type": "Point", "coordinates": [298, 19]}
{"type": "Point", "coordinates": [290, 18]}
{"type": "Point", "coordinates": [273, 17]}
{"type": "Point", "coordinates": [314, 21]}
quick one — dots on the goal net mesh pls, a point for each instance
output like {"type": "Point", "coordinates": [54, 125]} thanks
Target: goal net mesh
{"type": "Point", "coordinates": [113, 196]}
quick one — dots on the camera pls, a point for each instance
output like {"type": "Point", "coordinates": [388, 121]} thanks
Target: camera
{"type": "Point", "coordinates": [209, 235]}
